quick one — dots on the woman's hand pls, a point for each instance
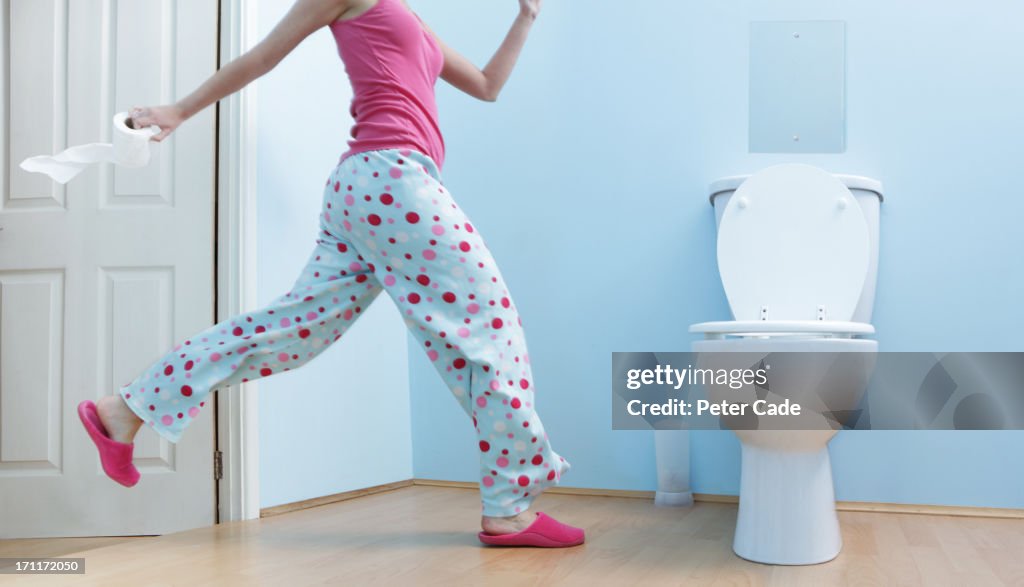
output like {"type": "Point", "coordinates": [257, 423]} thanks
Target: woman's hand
{"type": "Point", "coordinates": [167, 118]}
{"type": "Point", "coordinates": [530, 8]}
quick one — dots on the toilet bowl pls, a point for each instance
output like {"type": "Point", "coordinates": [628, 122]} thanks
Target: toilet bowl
{"type": "Point", "coordinates": [798, 258]}
{"type": "Point", "coordinates": [787, 512]}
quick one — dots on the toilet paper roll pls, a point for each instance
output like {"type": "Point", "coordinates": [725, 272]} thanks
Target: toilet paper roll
{"type": "Point", "coordinates": [130, 149]}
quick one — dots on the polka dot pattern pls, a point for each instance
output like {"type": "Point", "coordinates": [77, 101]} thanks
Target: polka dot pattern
{"type": "Point", "coordinates": [387, 224]}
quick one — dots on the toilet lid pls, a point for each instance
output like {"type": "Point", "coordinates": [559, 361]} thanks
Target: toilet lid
{"type": "Point", "coordinates": [793, 239]}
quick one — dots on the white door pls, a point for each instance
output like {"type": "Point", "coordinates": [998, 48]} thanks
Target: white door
{"type": "Point", "coordinates": [100, 277]}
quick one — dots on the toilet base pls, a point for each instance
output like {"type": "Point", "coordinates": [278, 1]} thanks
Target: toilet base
{"type": "Point", "coordinates": [787, 513]}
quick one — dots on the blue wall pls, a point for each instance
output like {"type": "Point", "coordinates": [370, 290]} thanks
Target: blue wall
{"type": "Point", "coordinates": [342, 421]}
{"type": "Point", "coordinates": [588, 179]}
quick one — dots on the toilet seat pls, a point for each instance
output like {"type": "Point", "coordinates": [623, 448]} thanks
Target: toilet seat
{"type": "Point", "coordinates": [793, 244]}
{"type": "Point", "coordinates": [779, 328]}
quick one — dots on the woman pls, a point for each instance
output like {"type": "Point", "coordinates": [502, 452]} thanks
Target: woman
{"type": "Point", "coordinates": [387, 224]}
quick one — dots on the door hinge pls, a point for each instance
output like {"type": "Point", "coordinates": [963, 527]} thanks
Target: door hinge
{"type": "Point", "coordinates": [218, 465]}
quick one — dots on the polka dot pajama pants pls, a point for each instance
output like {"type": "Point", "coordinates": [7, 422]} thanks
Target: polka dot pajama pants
{"type": "Point", "coordinates": [387, 224]}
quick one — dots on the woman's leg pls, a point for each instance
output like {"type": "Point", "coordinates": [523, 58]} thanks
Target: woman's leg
{"type": "Point", "coordinates": [435, 265]}
{"type": "Point", "coordinates": [335, 286]}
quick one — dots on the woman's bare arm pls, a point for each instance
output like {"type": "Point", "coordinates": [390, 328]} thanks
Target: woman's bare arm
{"type": "Point", "coordinates": [305, 17]}
{"type": "Point", "coordinates": [486, 84]}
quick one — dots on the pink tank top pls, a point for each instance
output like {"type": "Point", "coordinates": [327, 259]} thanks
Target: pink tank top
{"type": "Point", "coordinates": [393, 63]}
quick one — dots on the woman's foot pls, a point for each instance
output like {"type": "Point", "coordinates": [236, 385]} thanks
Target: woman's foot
{"type": "Point", "coordinates": [525, 529]}
{"type": "Point", "coordinates": [119, 420]}
{"type": "Point", "coordinates": [509, 525]}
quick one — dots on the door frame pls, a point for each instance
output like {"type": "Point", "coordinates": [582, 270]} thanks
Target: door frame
{"type": "Point", "coordinates": [237, 424]}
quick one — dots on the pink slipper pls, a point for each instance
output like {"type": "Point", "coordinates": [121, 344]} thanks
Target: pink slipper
{"type": "Point", "coordinates": [545, 532]}
{"type": "Point", "coordinates": [115, 456]}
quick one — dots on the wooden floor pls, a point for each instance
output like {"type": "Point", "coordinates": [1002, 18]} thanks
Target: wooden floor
{"type": "Point", "coordinates": [426, 536]}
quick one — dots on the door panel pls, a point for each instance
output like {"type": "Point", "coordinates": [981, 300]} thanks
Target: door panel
{"type": "Point", "coordinates": [101, 277]}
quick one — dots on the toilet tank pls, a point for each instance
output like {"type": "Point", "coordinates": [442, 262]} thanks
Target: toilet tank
{"type": "Point", "coordinates": [867, 192]}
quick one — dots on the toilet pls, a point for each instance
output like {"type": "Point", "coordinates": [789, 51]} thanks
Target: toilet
{"type": "Point", "coordinates": [798, 258]}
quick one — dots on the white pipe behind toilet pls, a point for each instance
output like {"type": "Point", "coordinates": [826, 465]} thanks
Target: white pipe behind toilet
{"type": "Point", "coordinates": [672, 455]}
